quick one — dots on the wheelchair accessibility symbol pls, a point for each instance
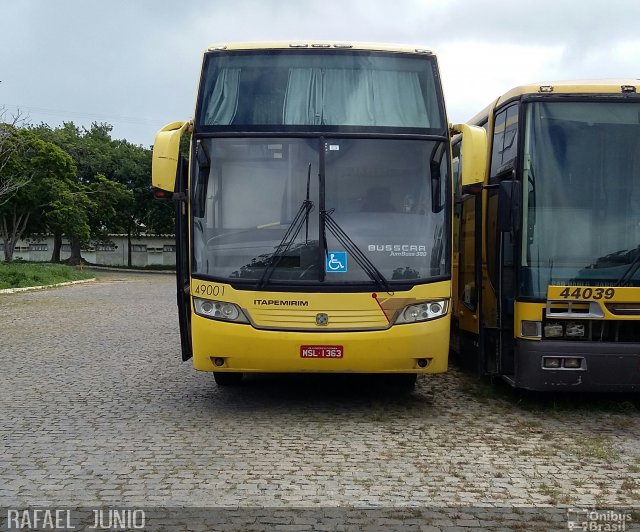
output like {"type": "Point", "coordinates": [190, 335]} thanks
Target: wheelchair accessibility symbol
{"type": "Point", "coordinates": [336, 262]}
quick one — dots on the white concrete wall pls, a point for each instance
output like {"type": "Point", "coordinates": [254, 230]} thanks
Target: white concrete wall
{"type": "Point", "coordinates": [147, 250]}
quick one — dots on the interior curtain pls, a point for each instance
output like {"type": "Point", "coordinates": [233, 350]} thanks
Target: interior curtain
{"type": "Point", "coordinates": [223, 103]}
{"type": "Point", "coordinates": [354, 97]}
{"type": "Point", "coordinates": [397, 99]}
{"type": "Point", "coordinates": [303, 99]}
{"type": "Point", "coordinates": [347, 98]}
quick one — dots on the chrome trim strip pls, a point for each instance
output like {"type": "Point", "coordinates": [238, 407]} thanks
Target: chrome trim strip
{"type": "Point", "coordinates": [595, 311]}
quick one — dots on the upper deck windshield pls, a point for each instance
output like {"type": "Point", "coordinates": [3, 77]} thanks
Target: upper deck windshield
{"type": "Point", "coordinates": [319, 90]}
{"type": "Point", "coordinates": [388, 195]}
{"type": "Point", "coordinates": [581, 183]}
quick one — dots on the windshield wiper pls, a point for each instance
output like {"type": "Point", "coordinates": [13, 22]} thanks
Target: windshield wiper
{"type": "Point", "coordinates": [306, 233]}
{"type": "Point", "coordinates": [631, 270]}
{"type": "Point", "coordinates": [327, 222]}
{"type": "Point", "coordinates": [363, 261]}
{"type": "Point", "coordinates": [290, 236]}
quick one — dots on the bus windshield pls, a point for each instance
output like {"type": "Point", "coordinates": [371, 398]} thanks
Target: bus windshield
{"type": "Point", "coordinates": [581, 183]}
{"type": "Point", "coordinates": [320, 89]}
{"type": "Point", "coordinates": [388, 195]}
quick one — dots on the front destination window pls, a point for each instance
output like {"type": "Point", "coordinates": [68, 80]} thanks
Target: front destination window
{"type": "Point", "coordinates": [287, 90]}
{"type": "Point", "coordinates": [581, 184]}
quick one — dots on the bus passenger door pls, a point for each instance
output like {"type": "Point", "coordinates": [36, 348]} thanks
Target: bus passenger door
{"type": "Point", "coordinates": [467, 275]}
{"type": "Point", "coordinates": [469, 283]}
{"type": "Point", "coordinates": [508, 226]}
{"type": "Point", "coordinates": [503, 198]}
{"type": "Point", "coordinates": [182, 257]}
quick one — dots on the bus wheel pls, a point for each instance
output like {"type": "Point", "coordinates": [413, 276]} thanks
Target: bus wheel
{"type": "Point", "coordinates": [404, 381]}
{"type": "Point", "coordinates": [227, 379]}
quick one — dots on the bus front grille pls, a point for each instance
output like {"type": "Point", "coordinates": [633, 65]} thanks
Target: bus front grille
{"type": "Point", "coordinates": [307, 320]}
{"type": "Point", "coordinates": [616, 331]}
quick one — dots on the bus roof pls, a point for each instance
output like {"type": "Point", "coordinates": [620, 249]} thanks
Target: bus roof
{"type": "Point", "coordinates": [315, 45]}
{"type": "Point", "coordinates": [586, 86]}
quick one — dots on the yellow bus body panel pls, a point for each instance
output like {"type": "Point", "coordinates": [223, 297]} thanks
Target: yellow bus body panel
{"type": "Point", "coordinates": [166, 148]}
{"type": "Point", "coordinates": [327, 46]}
{"type": "Point", "coordinates": [526, 311]}
{"type": "Point", "coordinates": [377, 347]}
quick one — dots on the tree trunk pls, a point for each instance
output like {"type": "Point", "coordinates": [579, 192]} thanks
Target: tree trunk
{"type": "Point", "coordinates": [11, 234]}
{"type": "Point", "coordinates": [76, 258]}
{"type": "Point", "coordinates": [9, 247]}
{"type": "Point", "coordinates": [57, 246]}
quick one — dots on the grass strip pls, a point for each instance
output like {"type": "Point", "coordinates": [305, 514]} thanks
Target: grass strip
{"type": "Point", "coordinates": [21, 274]}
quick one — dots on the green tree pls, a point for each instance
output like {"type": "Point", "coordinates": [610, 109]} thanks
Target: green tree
{"type": "Point", "coordinates": [68, 215]}
{"type": "Point", "coordinates": [132, 168]}
{"type": "Point", "coordinates": [45, 171]}
{"type": "Point", "coordinates": [10, 143]}
{"type": "Point", "coordinates": [100, 161]}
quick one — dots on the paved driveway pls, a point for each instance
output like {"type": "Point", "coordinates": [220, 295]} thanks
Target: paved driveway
{"type": "Point", "coordinates": [97, 409]}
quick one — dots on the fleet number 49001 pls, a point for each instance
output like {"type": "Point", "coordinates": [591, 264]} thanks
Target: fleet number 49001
{"type": "Point", "coordinates": [588, 293]}
{"type": "Point", "coordinates": [208, 290]}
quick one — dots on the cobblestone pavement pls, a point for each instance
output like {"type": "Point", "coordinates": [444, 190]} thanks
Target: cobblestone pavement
{"type": "Point", "coordinates": [97, 409]}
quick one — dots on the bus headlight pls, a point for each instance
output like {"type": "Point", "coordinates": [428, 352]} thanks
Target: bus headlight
{"type": "Point", "coordinates": [219, 310]}
{"type": "Point", "coordinates": [574, 329]}
{"type": "Point", "coordinates": [423, 312]}
{"type": "Point", "coordinates": [553, 330]}
{"type": "Point", "coordinates": [531, 329]}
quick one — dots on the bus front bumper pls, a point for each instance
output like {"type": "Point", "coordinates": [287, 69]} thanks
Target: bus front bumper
{"type": "Point", "coordinates": [242, 348]}
{"type": "Point", "coordinates": [605, 367]}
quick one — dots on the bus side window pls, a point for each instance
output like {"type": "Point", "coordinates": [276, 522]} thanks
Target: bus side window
{"type": "Point", "coordinates": [504, 150]}
{"type": "Point", "coordinates": [505, 134]}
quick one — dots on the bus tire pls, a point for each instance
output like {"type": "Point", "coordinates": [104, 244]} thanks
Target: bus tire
{"type": "Point", "coordinates": [227, 378]}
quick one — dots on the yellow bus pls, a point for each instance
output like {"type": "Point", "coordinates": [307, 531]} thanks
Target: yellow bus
{"type": "Point", "coordinates": [314, 210]}
{"type": "Point", "coordinates": [548, 282]}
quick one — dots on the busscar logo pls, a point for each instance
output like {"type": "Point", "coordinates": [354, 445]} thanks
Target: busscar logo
{"type": "Point", "coordinates": [400, 250]}
{"type": "Point", "coordinates": [281, 302]}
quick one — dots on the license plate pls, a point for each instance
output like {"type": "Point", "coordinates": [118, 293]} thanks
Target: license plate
{"type": "Point", "coordinates": [321, 351]}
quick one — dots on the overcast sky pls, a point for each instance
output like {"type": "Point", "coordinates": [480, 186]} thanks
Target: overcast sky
{"type": "Point", "coordinates": [134, 63]}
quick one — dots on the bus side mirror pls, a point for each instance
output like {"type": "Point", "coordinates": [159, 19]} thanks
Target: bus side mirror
{"type": "Point", "coordinates": [473, 157]}
{"type": "Point", "coordinates": [509, 195]}
{"type": "Point", "coordinates": [166, 149]}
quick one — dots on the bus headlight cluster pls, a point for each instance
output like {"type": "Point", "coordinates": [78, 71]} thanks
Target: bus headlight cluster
{"type": "Point", "coordinates": [571, 329]}
{"type": "Point", "coordinates": [219, 310]}
{"type": "Point", "coordinates": [423, 311]}
{"type": "Point", "coordinates": [531, 329]}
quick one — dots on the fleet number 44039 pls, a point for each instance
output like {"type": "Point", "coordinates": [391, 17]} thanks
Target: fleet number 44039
{"type": "Point", "coordinates": [588, 293]}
